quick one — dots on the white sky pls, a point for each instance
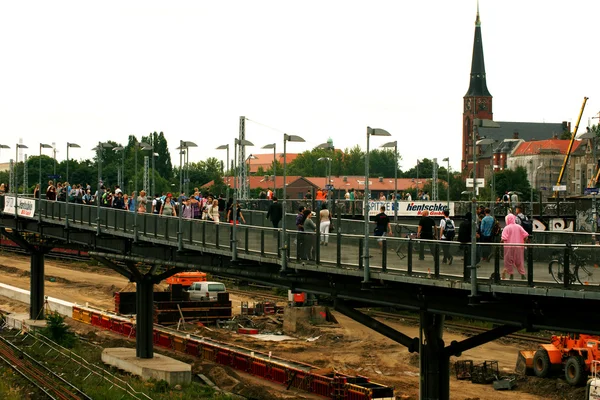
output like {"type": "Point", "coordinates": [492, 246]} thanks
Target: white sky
{"type": "Point", "coordinates": [83, 71]}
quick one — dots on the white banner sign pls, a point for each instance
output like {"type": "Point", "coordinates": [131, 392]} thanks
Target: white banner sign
{"type": "Point", "coordinates": [411, 208]}
{"type": "Point", "coordinates": [25, 207]}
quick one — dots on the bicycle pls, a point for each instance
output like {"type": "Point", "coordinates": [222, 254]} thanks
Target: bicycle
{"type": "Point", "coordinates": [577, 263]}
{"type": "Point", "coordinates": [402, 245]}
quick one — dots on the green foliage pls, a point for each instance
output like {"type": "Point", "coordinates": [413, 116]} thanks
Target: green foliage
{"type": "Point", "coordinates": [161, 386]}
{"type": "Point", "coordinates": [58, 331]}
{"type": "Point", "coordinates": [349, 162]}
{"type": "Point", "coordinates": [509, 180]}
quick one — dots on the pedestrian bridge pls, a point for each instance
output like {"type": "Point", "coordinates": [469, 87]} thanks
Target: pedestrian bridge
{"type": "Point", "coordinates": [560, 289]}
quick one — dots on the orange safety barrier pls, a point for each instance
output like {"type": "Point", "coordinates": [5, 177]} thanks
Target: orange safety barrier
{"type": "Point", "coordinates": [116, 326]}
{"type": "Point", "coordinates": [193, 348]}
{"type": "Point", "coordinates": [278, 375]}
{"type": "Point", "coordinates": [96, 319]}
{"type": "Point", "coordinates": [258, 368]}
{"type": "Point", "coordinates": [105, 322]}
{"type": "Point", "coordinates": [357, 393]}
{"type": "Point", "coordinates": [163, 340]}
{"type": "Point", "coordinates": [76, 314]}
{"type": "Point", "coordinates": [241, 363]}
{"type": "Point", "coordinates": [128, 329]}
{"type": "Point", "coordinates": [210, 353]}
{"type": "Point", "coordinates": [300, 379]}
{"type": "Point", "coordinates": [321, 385]}
{"type": "Point", "coordinates": [224, 357]}
{"type": "Point", "coordinates": [179, 344]}
{"type": "Point", "coordinates": [86, 316]}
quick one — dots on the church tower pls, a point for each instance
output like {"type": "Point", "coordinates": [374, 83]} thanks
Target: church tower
{"type": "Point", "coordinates": [478, 100]}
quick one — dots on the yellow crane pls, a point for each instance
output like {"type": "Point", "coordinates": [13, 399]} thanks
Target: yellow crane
{"type": "Point", "coordinates": [568, 154]}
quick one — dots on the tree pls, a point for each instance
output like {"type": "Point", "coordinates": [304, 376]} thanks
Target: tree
{"type": "Point", "coordinates": [513, 180]}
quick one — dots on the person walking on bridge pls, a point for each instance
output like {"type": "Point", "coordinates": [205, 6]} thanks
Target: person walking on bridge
{"type": "Point", "coordinates": [426, 230]}
{"type": "Point", "coordinates": [447, 231]}
{"type": "Point", "coordinates": [275, 213]}
{"type": "Point", "coordinates": [513, 235]}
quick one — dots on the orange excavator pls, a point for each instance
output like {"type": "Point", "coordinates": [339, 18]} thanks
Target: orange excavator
{"type": "Point", "coordinates": [575, 354]}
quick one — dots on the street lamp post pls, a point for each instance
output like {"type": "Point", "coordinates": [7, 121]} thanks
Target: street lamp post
{"type": "Point", "coordinates": [328, 146]}
{"type": "Point", "coordinates": [75, 146]}
{"type": "Point", "coordinates": [240, 143]}
{"type": "Point", "coordinates": [122, 169]}
{"type": "Point", "coordinates": [17, 147]}
{"type": "Point", "coordinates": [447, 159]}
{"type": "Point", "coordinates": [101, 146]}
{"type": "Point", "coordinates": [370, 132]}
{"type": "Point", "coordinates": [327, 176]}
{"type": "Point", "coordinates": [483, 123]}
{"type": "Point", "coordinates": [394, 144]}
{"type": "Point", "coordinates": [284, 249]}
{"type": "Point", "coordinates": [226, 147]}
{"type": "Point", "coordinates": [39, 203]}
{"type": "Point", "coordinates": [142, 146]}
{"type": "Point", "coordinates": [274, 147]}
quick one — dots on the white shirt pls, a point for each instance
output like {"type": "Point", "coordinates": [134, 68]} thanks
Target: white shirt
{"type": "Point", "coordinates": [443, 226]}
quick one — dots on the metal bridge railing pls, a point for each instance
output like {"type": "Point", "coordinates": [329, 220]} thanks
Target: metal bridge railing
{"type": "Point", "coordinates": [562, 264]}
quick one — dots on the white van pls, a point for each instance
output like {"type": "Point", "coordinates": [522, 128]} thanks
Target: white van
{"type": "Point", "coordinates": [205, 290]}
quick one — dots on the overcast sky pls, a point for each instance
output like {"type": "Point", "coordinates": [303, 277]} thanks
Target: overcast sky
{"type": "Point", "coordinates": [84, 71]}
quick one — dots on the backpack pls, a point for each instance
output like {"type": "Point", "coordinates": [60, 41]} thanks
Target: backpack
{"type": "Point", "coordinates": [157, 206]}
{"type": "Point", "coordinates": [449, 230]}
{"type": "Point", "coordinates": [528, 226]}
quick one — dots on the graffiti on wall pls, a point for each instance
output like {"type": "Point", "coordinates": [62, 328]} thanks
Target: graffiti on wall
{"type": "Point", "coordinates": [585, 220]}
{"type": "Point", "coordinates": [553, 224]}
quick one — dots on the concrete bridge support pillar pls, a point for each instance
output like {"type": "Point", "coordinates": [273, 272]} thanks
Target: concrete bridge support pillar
{"type": "Point", "coordinates": [435, 362]}
{"type": "Point", "coordinates": [36, 285]}
{"type": "Point", "coordinates": [144, 344]}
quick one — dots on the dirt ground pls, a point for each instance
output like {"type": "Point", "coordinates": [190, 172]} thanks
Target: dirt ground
{"type": "Point", "coordinates": [347, 347]}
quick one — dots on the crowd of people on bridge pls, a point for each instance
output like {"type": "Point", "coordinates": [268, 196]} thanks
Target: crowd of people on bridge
{"type": "Point", "coordinates": [514, 235]}
{"type": "Point", "coordinates": [198, 205]}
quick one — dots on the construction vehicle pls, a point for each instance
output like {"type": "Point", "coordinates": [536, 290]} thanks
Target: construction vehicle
{"type": "Point", "coordinates": [575, 353]}
{"type": "Point", "coordinates": [568, 153]}
{"type": "Point", "coordinates": [186, 279]}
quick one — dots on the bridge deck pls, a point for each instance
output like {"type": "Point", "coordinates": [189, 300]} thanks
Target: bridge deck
{"type": "Point", "coordinates": [398, 261]}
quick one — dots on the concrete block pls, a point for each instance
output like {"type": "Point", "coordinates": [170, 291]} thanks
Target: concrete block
{"type": "Point", "coordinates": [159, 367]}
{"type": "Point", "coordinates": [295, 317]}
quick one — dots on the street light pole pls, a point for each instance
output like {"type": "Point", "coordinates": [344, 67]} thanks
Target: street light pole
{"type": "Point", "coordinates": [447, 159]}
{"type": "Point", "coordinates": [69, 145]}
{"type": "Point", "coordinates": [367, 272]}
{"type": "Point", "coordinates": [273, 146]}
{"type": "Point", "coordinates": [394, 144]}
{"type": "Point", "coordinates": [240, 143]}
{"type": "Point", "coordinates": [284, 249]}
{"type": "Point", "coordinates": [39, 199]}
{"type": "Point", "coordinates": [487, 124]}
{"type": "Point", "coordinates": [227, 171]}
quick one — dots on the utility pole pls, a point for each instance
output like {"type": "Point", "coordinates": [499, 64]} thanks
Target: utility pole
{"type": "Point", "coordinates": [434, 181]}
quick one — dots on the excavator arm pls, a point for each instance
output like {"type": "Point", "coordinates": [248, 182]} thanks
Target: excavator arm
{"type": "Point", "coordinates": [568, 154]}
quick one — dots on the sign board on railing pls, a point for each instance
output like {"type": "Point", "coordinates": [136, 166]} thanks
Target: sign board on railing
{"type": "Point", "coordinates": [25, 207]}
{"type": "Point", "coordinates": [590, 190]}
{"type": "Point", "coordinates": [411, 208]}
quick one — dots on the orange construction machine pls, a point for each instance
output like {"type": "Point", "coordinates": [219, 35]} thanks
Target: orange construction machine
{"type": "Point", "coordinates": [186, 279]}
{"type": "Point", "coordinates": [574, 353]}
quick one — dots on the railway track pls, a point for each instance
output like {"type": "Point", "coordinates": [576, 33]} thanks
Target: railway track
{"type": "Point", "coordinates": [258, 295]}
{"type": "Point", "coordinates": [52, 385]}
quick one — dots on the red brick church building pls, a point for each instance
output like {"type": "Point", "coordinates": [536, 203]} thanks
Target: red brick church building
{"type": "Point", "coordinates": [478, 104]}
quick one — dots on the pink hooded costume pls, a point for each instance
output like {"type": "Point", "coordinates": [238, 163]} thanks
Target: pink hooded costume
{"type": "Point", "coordinates": [513, 255]}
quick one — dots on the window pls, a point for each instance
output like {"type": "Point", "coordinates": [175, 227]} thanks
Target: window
{"type": "Point", "coordinates": [216, 287]}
